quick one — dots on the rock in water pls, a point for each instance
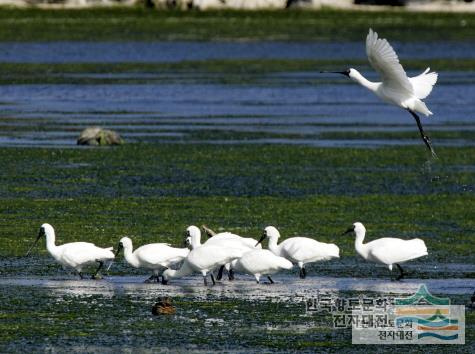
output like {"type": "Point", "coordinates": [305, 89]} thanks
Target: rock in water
{"type": "Point", "coordinates": [99, 136]}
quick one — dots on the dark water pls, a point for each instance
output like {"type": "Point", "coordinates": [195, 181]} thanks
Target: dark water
{"type": "Point", "coordinates": [170, 107]}
{"type": "Point", "coordinates": [55, 114]}
{"type": "Point", "coordinates": [114, 52]}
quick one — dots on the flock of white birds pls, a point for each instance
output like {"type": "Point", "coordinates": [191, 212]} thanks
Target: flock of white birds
{"type": "Point", "coordinates": [230, 252]}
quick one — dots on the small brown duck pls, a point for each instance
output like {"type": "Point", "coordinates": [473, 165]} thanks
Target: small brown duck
{"type": "Point", "coordinates": [164, 307]}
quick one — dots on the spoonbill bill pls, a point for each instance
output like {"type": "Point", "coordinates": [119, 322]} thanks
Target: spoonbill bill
{"type": "Point", "coordinates": [154, 256]}
{"type": "Point", "coordinates": [387, 250]}
{"type": "Point", "coordinates": [395, 87]}
{"type": "Point", "coordinates": [300, 250]}
{"type": "Point", "coordinates": [75, 254]}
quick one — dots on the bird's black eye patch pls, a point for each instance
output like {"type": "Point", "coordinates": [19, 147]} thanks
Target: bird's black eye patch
{"type": "Point", "coordinates": [347, 72]}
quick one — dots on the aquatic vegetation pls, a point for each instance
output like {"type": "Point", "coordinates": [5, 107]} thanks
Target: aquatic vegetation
{"type": "Point", "coordinates": [154, 192]}
{"type": "Point", "coordinates": [231, 71]}
{"type": "Point", "coordinates": [36, 316]}
{"type": "Point", "coordinates": [145, 25]}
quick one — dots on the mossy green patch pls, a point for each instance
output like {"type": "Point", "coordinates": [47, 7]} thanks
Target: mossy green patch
{"type": "Point", "coordinates": [51, 318]}
{"type": "Point", "coordinates": [222, 71]}
{"type": "Point", "coordinates": [153, 192]}
{"type": "Point", "coordinates": [113, 24]}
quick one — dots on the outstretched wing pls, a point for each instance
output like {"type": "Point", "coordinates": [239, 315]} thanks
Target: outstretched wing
{"type": "Point", "coordinates": [384, 60]}
{"type": "Point", "coordinates": [423, 83]}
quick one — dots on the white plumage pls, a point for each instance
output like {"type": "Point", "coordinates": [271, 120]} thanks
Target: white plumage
{"type": "Point", "coordinates": [193, 238]}
{"type": "Point", "coordinates": [387, 250]}
{"type": "Point", "coordinates": [423, 83]}
{"type": "Point", "coordinates": [154, 256]}
{"type": "Point", "coordinates": [223, 239]}
{"type": "Point", "coordinates": [75, 254]}
{"type": "Point", "coordinates": [300, 250]}
{"type": "Point", "coordinates": [396, 87]}
{"type": "Point", "coordinates": [228, 237]}
{"type": "Point", "coordinates": [261, 262]}
{"type": "Point", "coordinates": [204, 259]}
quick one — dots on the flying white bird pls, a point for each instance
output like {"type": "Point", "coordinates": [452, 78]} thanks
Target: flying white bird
{"type": "Point", "coordinates": [387, 250]}
{"type": "Point", "coordinates": [75, 254]}
{"type": "Point", "coordinates": [300, 250]}
{"type": "Point", "coordinates": [203, 259]}
{"type": "Point", "coordinates": [155, 256]}
{"type": "Point", "coordinates": [261, 262]}
{"type": "Point", "coordinates": [396, 87]}
{"type": "Point", "coordinates": [223, 239]}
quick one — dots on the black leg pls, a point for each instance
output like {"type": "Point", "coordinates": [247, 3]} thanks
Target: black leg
{"type": "Point", "coordinates": [152, 279]}
{"type": "Point", "coordinates": [220, 273]}
{"type": "Point", "coordinates": [231, 274]}
{"type": "Point", "coordinates": [402, 274]}
{"type": "Point", "coordinates": [212, 278]}
{"type": "Point", "coordinates": [101, 264]}
{"type": "Point", "coordinates": [302, 273]}
{"type": "Point", "coordinates": [80, 274]}
{"type": "Point", "coordinates": [270, 279]}
{"type": "Point", "coordinates": [205, 281]}
{"type": "Point", "coordinates": [424, 137]}
{"type": "Point", "coordinates": [164, 281]}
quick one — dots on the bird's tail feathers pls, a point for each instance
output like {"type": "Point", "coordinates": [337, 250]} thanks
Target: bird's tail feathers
{"type": "Point", "coordinates": [421, 107]}
{"type": "Point", "coordinates": [285, 263]}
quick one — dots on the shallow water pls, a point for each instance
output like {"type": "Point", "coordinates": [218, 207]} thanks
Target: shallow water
{"type": "Point", "coordinates": [115, 314]}
{"type": "Point", "coordinates": [168, 107]}
{"type": "Point", "coordinates": [45, 115]}
{"type": "Point", "coordinates": [114, 52]}
{"type": "Point", "coordinates": [46, 309]}
{"type": "Point", "coordinates": [286, 286]}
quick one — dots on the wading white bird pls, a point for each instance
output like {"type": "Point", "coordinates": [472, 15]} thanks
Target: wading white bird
{"type": "Point", "coordinates": [396, 87]}
{"type": "Point", "coordinates": [387, 250]}
{"type": "Point", "coordinates": [300, 250]}
{"type": "Point", "coordinates": [203, 259]}
{"type": "Point", "coordinates": [155, 256]}
{"type": "Point", "coordinates": [261, 262]}
{"type": "Point", "coordinates": [223, 239]}
{"type": "Point", "coordinates": [214, 237]}
{"type": "Point", "coordinates": [75, 254]}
